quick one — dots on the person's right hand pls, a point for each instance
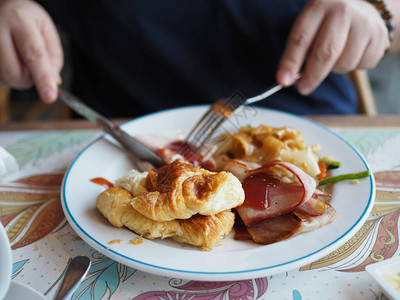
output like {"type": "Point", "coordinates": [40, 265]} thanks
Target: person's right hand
{"type": "Point", "coordinates": [30, 48]}
{"type": "Point", "coordinates": [332, 36]}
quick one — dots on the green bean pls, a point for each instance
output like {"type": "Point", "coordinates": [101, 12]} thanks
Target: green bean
{"type": "Point", "coordinates": [334, 165]}
{"type": "Point", "coordinates": [342, 177]}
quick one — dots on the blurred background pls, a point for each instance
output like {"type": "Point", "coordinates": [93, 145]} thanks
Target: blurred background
{"type": "Point", "coordinates": [25, 105]}
{"type": "Point", "coordinates": [385, 83]}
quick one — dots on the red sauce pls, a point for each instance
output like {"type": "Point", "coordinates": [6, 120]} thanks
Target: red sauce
{"type": "Point", "coordinates": [103, 182]}
{"type": "Point", "coordinates": [187, 151]}
{"type": "Point", "coordinates": [256, 189]}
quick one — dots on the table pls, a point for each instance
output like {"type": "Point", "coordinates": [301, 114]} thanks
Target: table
{"type": "Point", "coordinates": [43, 242]}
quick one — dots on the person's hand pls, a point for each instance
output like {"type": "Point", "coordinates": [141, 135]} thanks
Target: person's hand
{"type": "Point", "coordinates": [30, 48]}
{"type": "Point", "coordinates": [332, 35]}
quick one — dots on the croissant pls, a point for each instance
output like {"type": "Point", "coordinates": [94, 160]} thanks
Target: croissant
{"type": "Point", "coordinates": [180, 190]}
{"type": "Point", "coordinates": [204, 231]}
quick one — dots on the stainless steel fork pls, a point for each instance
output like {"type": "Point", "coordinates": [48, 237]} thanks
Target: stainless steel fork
{"type": "Point", "coordinates": [218, 112]}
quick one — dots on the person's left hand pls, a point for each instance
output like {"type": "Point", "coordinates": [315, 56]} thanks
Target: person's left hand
{"type": "Point", "coordinates": [332, 35]}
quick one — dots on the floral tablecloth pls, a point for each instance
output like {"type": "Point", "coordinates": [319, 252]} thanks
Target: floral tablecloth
{"type": "Point", "coordinates": [43, 242]}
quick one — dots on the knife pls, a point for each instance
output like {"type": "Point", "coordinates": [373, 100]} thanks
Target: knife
{"type": "Point", "coordinates": [133, 145]}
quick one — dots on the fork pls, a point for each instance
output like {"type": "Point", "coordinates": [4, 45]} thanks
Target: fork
{"type": "Point", "coordinates": [212, 119]}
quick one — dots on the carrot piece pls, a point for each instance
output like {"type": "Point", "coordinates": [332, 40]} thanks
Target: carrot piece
{"type": "Point", "coordinates": [322, 167]}
{"type": "Point", "coordinates": [103, 182]}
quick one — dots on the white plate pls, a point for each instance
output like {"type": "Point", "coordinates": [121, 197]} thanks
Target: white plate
{"type": "Point", "coordinates": [21, 291]}
{"type": "Point", "coordinates": [232, 260]}
{"type": "Point", "coordinates": [5, 262]}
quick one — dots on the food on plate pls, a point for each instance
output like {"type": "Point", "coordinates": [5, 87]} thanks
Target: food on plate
{"type": "Point", "coordinates": [180, 190]}
{"type": "Point", "coordinates": [136, 241]}
{"type": "Point", "coordinates": [179, 200]}
{"type": "Point", "coordinates": [265, 183]}
{"type": "Point", "coordinates": [279, 172]}
{"type": "Point", "coordinates": [270, 192]}
{"type": "Point", "coordinates": [262, 144]}
{"type": "Point", "coordinates": [113, 242]}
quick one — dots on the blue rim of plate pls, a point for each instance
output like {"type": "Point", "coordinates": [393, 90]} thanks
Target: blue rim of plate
{"type": "Point", "coordinates": [306, 258]}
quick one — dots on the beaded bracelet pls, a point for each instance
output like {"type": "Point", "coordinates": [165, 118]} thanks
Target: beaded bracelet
{"type": "Point", "coordinates": [386, 15]}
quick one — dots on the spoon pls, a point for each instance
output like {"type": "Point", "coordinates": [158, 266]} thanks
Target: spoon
{"type": "Point", "coordinates": [75, 273]}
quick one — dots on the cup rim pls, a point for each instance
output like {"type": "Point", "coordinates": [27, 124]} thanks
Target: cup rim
{"type": "Point", "coordinates": [5, 262]}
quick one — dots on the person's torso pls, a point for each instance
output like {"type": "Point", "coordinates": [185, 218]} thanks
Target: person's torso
{"type": "Point", "coordinates": [175, 53]}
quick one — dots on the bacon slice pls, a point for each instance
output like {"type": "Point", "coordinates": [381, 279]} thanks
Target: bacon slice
{"type": "Point", "coordinates": [238, 167]}
{"type": "Point", "coordinates": [171, 150]}
{"type": "Point", "coordinates": [312, 207]}
{"type": "Point", "coordinates": [280, 228]}
{"type": "Point", "coordinates": [283, 198]}
{"type": "Point", "coordinates": [309, 223]}
{"type": "Point", "coordinates": [275, 229]}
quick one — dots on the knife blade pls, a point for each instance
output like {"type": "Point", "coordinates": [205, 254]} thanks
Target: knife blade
{"type": "Point", "coordinates": [133, 145]}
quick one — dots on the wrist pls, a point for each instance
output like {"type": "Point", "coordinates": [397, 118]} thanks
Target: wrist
{"type": "Point", "coordinates": [386, 15]}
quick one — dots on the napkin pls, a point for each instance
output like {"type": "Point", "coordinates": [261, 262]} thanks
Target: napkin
{"type": "Point", "coordinates": [8, 165]}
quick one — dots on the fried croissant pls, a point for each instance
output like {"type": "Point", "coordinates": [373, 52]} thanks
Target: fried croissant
{"type": "Point", "coordinates": [204, 231]}
{"type": "Point", "coordinates": [180, 190]}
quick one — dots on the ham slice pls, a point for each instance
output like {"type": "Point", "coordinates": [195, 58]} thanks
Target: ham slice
{"type": "Point", "coordinates": [282, 198]}
{"type": "Point", "coordinates": [280, 228]}
{"type": "Point", "coordinates": [309, 223]}
{"type": "Point", "coordinates": [275, 229]}
{"type": "Point", "coordinates": [170, 150]}
{"type": "Point", "coordinates": [292, 207]}
{"type": "Point", "coordinates": [239, 168]}
{"type": "Point", "coordinates": [312, 207]}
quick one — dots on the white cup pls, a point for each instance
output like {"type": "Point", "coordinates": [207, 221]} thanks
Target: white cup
{"type": "Point", "coordinates": [5, 262]}
{"type": "Point", "coordinates": [8, 166]}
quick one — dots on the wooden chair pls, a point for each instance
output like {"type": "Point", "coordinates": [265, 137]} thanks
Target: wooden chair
{"type": "Point", "coordinates": [5, 114]}
{"type": "Point", "coordinates": [364, 91]}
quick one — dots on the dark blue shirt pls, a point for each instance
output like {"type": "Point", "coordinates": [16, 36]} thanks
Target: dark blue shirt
{"type": "Point", "coordinates": [135, 57]}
